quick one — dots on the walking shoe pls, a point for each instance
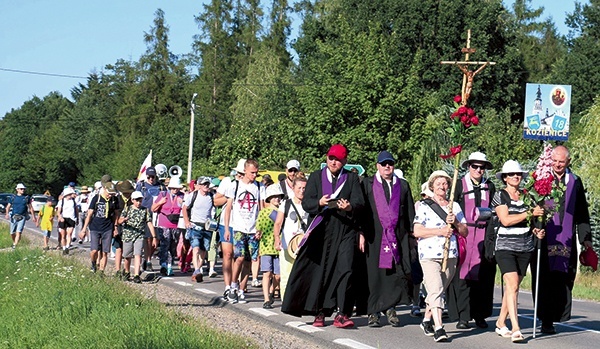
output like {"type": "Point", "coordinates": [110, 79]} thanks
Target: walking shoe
{"type": "Point", "coordinates": [373, 320]}
{"type": "Point", "coordinates": [93, 268]}
{"type": "Point", "coordinates": [462, 325]}
{"type": "Point", "coordinates": [126, 276]}
{"type": "Point", "coordinates": [392, 317]}
{"type": "Point", "coordinates": [14, 246]}
{"type": "Point", "coordinates": [427, 328]}
{"type": "Point", "coordinates": [212, 273]}
{"type": "Point", "coordinates": [267, 305]}
{"type": "Point", "coordinates": [440, 335]}
{"type": "Point", "coordinates": [233, 296]}
{"type": "Point", "coordinates": [149, 266]}
{"type": "Point", "coordinates": [548, 328]}
{"type": "Point", "coordinates": [65, 251]}
{"type": "Point", "coordinates": [481, 323]}
{"type": "Point", "coordinates": [144, 265]}
{"type": "Point", "coordinates": [163, 270]}
{"type": "Point", "coordinates": [415, 311]}
{"type": "Point", "coordinates": [342, 321]}
{"type": "Point", "coordinates": [319, 320]}
{"type": "Point", "coordinates": [73, 239]}
{"type": "Point", "coordinates": [170, 271]}
{"type": "Point", "coordinates": [242, 298]}
{"type": "Point", "coordinates": [137, 280]}
{"type": "Point", "coordinates": [256, 283]}
{"type": "Point", "coordinates": [197, 276]}
{"type": "Point", "coordinates": [226, 295]}
{"type": "Point", "coordinates": [119, 275]}
{"type": "Point", "coordinates": [80, 241]}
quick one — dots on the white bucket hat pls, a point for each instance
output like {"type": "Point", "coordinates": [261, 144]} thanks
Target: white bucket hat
{"type": "Point", "coordinates": [511, 166]}
{"type": "Point", "coordinates": [175, 182]}
{"type": "Point", "coordinates": [240, 166]}
{"type": "Point", "coordinates": [477, 157]}
{"type": "Point", "coordinates": [273, 190]}
{"type": "Point", "coordinates": [20, 186]}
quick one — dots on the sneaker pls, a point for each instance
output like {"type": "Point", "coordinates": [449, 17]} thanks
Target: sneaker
{"type": "Point", "coordinates": [119, 275]}
{"type": "Point", "coordinates": [170, 271]}
{"type": "Point", "coordinates": [392, 317]}
{"type": "Point", "coordinates": [342, 321]}
{"type": "Point", "coordinates": [14, 246]}
{"type": "Point", "coordinates": [197, 276]}
{"type": "Point", "coordinates": [73, 239]}
{"type": "Point", "coordinates": [93, 268]}
{"type": "Point", "coordinates": [163, 271]}
{"type": "Point", "coordinates": [319, 320]}
{"type": "Point", "coordinates": [242, 298]}
{"type": "Point", "coordinates": [80, 241]}
{"type": "Point", "coordinates": [267, 305]}
{"type": "Point", "coordinates": [462, 325]}
{"type": "Point", "coordinates": [137, 280]}
{"type": "Point", "coordinates": [144, 263]}
{"type": "Point", "coordinates": [256, 283]}
{"type": "Point", "coordinates": [126, 276]}
{"type": "Point", "coordinates": [226, 295]}
{"type": "Point", "coordinates": [415, 311]}
{"type": "Point", "coordinates": [548, 328]}
{"type": "Point", "coordinates": [232, 296]}
{"type": "Point", "coordinates": [373, 320]}
{"type": "Point", "coordinates": [212, 273]}
{"type": "Point", "coordinates": [427, 328]}
{"type": "Point", "coordinates": [149, 266]}
{"type": "Point", "coordinates": [440, 335]}
{"type": "Point", "coordinates": [65, 251]}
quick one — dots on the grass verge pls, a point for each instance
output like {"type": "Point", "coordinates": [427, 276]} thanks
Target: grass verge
{"type": "Point", "coordinates": [50, 302]}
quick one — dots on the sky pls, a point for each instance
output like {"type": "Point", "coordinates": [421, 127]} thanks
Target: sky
{"type": "Point", "coordinates": [74, 38]}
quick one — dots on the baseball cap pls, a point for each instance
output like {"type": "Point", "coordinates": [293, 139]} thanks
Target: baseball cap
{"type": "Point", "coordinates": [137, 195]}
{"type": "Point", "coordinates": [72, 184]}
{"type": "Point", "coordinates": [339, 151]}
{"type": "Point", "coordinates": [201, 180]}
{"type": "Point", "coordinates": [150, 171]}
{"type": "Point", "coordinates": [110, 187]}
{"type": "Point", "coordinates": [385, 156]}
{"type": "Point", "coordinates": [293, 164]}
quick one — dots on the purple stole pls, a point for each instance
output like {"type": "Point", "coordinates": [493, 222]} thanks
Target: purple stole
{"type": "Point", "coordinates": [469, 270]}
{"type": "Point", "coordinates": [388, 217]}
{"type": "Point", "coordinates": [560, 234]}
{"type": "Point", "coordinates": [326, 189]}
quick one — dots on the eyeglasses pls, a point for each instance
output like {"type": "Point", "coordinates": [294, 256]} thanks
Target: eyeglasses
{"type": "Point", "coordinates": [512, 174]}
{"type": "Point", "coordinates": [292, 169]}
{"type": "Point", "coordinates": [387, 163]}
{"type": "Point", "coordinates": [478, 167]}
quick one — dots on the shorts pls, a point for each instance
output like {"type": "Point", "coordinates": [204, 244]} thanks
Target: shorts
{"type": "Point", "coordinates": [117, 241]}
{"type": "Point", "coordinates": [270, 263]}
{"type": "Point", "coordinates": [222, 234]}
{"type": "Point", "coordinates": [245, 245]}
{"type": "Point", "coordinates": [200, 238]}
{"type": "Point", "coordinates": [511, 261]}
{"type": "Point", "coordinates": [16, 227]}
{"type": "Point", "coordinates": [98, 238]}
{"type": "Point", "coordinates": [133, 248]}
{"type": "Point", "coordinates": [46, 233]}
{"type": "Point", "coordinates": [67, 223]}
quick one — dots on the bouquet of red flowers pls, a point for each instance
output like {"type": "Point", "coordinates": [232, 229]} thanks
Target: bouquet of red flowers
{"type": "Point", "coordinates": [541, 187]}
{"type": "Point", "coordinates": [462, 122]}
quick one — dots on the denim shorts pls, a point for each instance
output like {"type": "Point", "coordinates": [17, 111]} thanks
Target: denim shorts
{"type": "Point", "coordinates": [200, 238]}
{"type": "Point", "coordinates": [270, 263]}
{"type": "Point", "coordinates": [16, 227]}
{"type": "Point", "coordinates": [222, 234]}
{"type": "Point", "coordinates": [245, 245]}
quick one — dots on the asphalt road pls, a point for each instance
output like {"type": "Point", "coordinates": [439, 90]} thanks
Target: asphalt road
{"type": "Point", "coordinates": [582, 331]}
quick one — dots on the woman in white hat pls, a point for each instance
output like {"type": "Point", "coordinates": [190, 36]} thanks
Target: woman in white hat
{"type": "Point", "coordinates": [431, 229]}
{"type": "Point", "coordinates": [514, 244]}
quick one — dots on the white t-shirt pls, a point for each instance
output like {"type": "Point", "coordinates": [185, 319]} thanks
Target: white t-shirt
{"type": "Point", "coordinates": [433, 247]}
{"type": "Point", "coordinates": [202, 208]}
{"type": "Point", "coordinates": [246, 204]}
{"type": "Point", "coordinates": [292, 225]}
{"type": "Point", "coordinates": [68, 211]}
{"type": "Point", "coordinates": [222, 189]}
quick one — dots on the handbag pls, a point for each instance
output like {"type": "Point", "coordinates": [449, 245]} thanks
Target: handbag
{"type": "Point", "coordinates": [460, 240]}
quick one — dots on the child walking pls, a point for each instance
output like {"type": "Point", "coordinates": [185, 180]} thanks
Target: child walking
{"type": "Point", "coordinates": [46, 221]}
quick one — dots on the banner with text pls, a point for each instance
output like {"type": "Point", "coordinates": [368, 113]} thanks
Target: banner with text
{"type": "Point", "coordinates": [547, 112]}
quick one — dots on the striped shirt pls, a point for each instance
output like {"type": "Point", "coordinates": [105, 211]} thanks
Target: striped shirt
{"type": "Point", "coordinates": [518, 237]}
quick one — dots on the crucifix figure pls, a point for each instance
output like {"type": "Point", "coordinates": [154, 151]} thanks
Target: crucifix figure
{"type": "Point", "coordinates": [468, 75]}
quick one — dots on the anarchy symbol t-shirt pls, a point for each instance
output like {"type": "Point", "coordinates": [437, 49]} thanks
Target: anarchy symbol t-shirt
{"type": "Point", "coordinates": [244, 212]}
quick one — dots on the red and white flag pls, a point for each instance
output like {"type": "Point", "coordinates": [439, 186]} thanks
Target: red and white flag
{"type": "Point", "coordinates": [147, 163]}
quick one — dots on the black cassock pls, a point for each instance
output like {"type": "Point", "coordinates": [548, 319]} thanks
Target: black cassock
{"type": "Point", "coordinates": [320, 280]}
{"type": "Point", "coordinates": [387, 287]}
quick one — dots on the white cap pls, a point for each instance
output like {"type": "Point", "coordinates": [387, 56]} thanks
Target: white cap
{"type": "Point", "coordinates": [137, 195]}
{"type": "Point", "coordinates": [68, 191]}
{"type": "Point", "coordinates": [293, 164]}
{"type": "Point", "coordinates": [20, 186]}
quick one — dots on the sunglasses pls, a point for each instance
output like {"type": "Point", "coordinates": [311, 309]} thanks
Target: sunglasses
{"type": "Point", "coordinates": [478, 167]}
{"type": "Point", "coordinates": [387, 163]}
{"type": "Point", "coordinates": [512, 174]}
{"type": "Point", "coordinates": [292, 170]}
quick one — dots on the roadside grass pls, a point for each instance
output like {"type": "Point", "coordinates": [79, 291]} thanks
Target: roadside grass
{"type": "Point", "coordinates": [50, 302]}
{"type": "Point", "coordinates": [587, 283]}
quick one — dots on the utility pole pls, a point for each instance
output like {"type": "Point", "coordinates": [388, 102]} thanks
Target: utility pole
{"type": "Point", "coordinates": [191, 148]}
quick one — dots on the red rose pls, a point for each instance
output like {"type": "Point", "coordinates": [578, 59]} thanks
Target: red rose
{"type": "Point", "coordinates": [457, 99]}
{"type": "Point", "coordinates": [475, 120]}
{"type": "Point", "coordinates": [453, 152]}
{"type": "Point", "coordinates": [464, 119]}
{"type": "Point", "coordinates": [462, 110]}
{"type": "Point", "coordinates": [470, 112]}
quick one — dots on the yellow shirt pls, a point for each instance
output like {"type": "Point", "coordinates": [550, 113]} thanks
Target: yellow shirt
{"type": "Point", "coordinates": [46, 215]}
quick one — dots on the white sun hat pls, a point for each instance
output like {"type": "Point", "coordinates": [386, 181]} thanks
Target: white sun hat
{"type": "Point", "coordinates": [511, 166]}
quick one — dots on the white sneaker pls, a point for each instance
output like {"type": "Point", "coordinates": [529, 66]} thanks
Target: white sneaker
{"type": "Point", "coordinates": [242, 298]}
{"type": "Point", "coordinates": [256, 283]}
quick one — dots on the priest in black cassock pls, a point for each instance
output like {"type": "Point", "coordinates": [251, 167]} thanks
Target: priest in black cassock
{"type": "Point", "coordinates": [320, 280]}
{"type": "Point", "coordinates": [385, 228]}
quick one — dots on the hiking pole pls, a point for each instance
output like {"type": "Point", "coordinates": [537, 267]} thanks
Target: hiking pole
{"type": "Point", "coordinates": [538, 242]}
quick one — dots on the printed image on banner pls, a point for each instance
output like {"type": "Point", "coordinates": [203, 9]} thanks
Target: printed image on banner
{"type": "Point", "coordinates": [547, 112]}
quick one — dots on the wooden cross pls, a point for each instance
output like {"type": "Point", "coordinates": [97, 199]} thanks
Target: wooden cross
{"type": "Point", "coordinates": [468, 75]}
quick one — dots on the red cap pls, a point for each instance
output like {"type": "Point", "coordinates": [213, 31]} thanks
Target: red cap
{"type": "Point", "coordinates": [339, 151]}
{"type": "Point", "coordinates": [589, 258]}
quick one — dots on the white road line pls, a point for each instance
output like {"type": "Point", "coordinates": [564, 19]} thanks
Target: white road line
{"type": "Point", "coordinates": [205, 291]}
{"type": "Point", "coordinates": [263, 312]}
{"type": "Point", "coordinates": [352, 343]}
{"type": "Point", "coordinates": [302, 326]}
{"type": "Point", "coordinates": [564, 325]}
{"type": "Point", "coordinates": [182, 283]}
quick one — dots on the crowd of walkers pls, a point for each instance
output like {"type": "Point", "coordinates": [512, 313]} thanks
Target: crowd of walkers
{"type": "Point", "coordinates": [333, 243]}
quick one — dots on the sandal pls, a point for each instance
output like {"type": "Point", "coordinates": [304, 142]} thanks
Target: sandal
{"type": "Point", "coordinates": [503, 332]}
{"type": "Point", "coordinates": [517, 337]}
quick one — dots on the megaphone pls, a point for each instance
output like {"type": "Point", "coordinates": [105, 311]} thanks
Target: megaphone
{"type": "Point", "coordinates": [161, 171]}
{"type": "Point", "coordinates": [175, 171]}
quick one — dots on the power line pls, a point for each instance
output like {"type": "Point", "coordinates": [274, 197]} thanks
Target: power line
{"type": "Point", "coordinates": [45, 74]}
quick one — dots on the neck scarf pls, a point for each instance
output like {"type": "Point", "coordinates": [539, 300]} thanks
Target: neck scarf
{"type": "Point", "coordinates": [388, 217]}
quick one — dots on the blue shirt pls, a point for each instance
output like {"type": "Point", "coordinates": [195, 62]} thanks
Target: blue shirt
{"type": "Point", "coordinates": [19, 204]}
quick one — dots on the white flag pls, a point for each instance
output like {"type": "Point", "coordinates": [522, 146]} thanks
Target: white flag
{"type": "Point", "coordinates": [147, 163]}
